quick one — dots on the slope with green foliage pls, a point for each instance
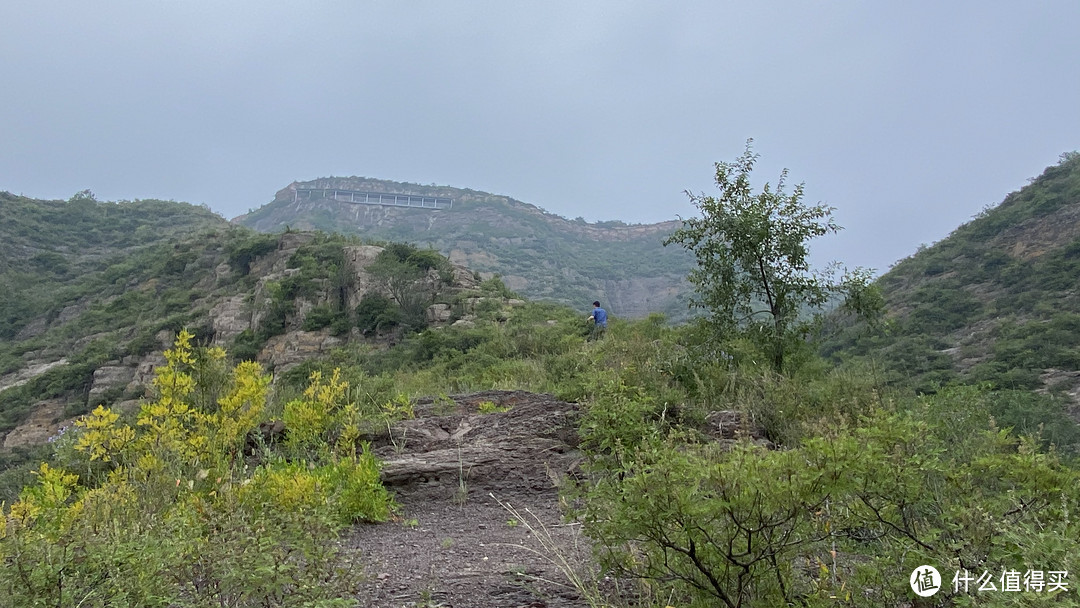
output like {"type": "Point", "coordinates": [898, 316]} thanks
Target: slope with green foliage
{"type": "Point", "coordinates": [175, 507]}
{"type": "Point", "coordinates": [871, 480]}
{"type": "Point", "coordinates": [47, 247]}
{"type": "Point", "coordinates": [996, 301]}
{"type": "Point", "coordinates": [538, 254]}
{"type": "Point", "coordinates": [114, 282]}
{"type": "Point", "coordinates": [171, 506]}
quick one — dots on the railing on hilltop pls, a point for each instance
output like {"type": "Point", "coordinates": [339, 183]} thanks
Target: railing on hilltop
{"type": "Point", "coordinates": [357, 197]}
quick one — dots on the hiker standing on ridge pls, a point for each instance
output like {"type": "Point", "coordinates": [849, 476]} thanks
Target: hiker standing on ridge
{"type": "Point", "coordinates": [599, 319]}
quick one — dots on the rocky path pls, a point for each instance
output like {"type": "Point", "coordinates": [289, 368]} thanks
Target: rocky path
{"type": "Point", "coordinates": [480, 524]}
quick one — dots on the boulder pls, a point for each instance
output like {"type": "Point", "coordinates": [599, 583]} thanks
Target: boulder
{"type": "Point", "coordinates": [357, 259]}
{"type": "Point", "coordinates": [45, 422]}
{"type": "Point", "coordinates": [142, 381]}
{"type": "Point", "coordinates": [439, 313]}
{"type": "Point", "coordinates": [464, 278]}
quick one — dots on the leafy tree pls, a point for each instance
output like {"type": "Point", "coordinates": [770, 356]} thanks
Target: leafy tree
{"type": "Point", "coordinates": [402, 269]}
{"type": "Point", "coordinates": [753, 275]}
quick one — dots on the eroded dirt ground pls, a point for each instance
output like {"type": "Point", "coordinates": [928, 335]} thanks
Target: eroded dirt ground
{"type": "Point", "coordinates": [453, 545]}
{"type": "Point", "coordinates": [473, 554]}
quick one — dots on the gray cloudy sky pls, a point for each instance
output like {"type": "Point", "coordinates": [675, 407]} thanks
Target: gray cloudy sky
{"type": "Point", "coordinates": [908, 117]}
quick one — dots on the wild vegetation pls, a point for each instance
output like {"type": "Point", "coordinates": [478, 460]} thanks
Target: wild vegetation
{"type": "Point", "coordinates": [863, 483]}
{"type": "Point", "coordinates": [994, 302]}
{"type": "Point", "coordinates": [838, 480]}
{"type": "Point", "coordinates": [752, 275]}
{"type": "Point", "coordinates": [84, 236]}
{"type": "Point", "coordinates": [185, 506]}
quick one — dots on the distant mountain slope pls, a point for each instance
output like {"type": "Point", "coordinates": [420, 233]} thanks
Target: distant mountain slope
{"type": "Point", "coordinates": [538, 254]}
{"type": "Point", "coordinates": [47, 247]}
{"type": "Point", "coordinates": [997, 301]}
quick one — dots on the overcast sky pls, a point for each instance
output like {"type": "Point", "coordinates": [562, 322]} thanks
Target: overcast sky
{"type": "Point", "coordinates": [908, 117]}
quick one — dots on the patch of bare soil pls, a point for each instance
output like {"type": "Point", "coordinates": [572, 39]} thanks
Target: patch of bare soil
{"type": "Point", "coordinates": [453, 545]}
{"type": "Point", "coordinates": [469, 555]}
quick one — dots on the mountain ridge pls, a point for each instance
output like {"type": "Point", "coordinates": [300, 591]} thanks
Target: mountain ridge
{"type": "Point", "coordinates": [539, 254]}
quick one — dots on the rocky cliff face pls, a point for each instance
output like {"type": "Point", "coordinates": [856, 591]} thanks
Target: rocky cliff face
{"type": "Point", "coordinates": [538, 254]}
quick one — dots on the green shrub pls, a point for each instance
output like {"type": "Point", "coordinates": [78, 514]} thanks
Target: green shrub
{"type": "Point", "coordinates": [376, 312]}
{"type": "Point", "coordinates": [322, 316]}
{"type": "Point", "coordinates": [171, 509]}
{"type": "Point", "coordinates": [843, 517]}
{"type": "Point", "coordinates": [248, 248]}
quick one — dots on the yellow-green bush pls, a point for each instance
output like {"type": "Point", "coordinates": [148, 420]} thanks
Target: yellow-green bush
{"type": "Point", "coordinates": [167, 509]}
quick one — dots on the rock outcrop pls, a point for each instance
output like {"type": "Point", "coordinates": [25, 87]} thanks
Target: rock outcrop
{"type": "Point", "coordinates": [538, 254]}
{"type": "Point", "coordinates": [45, 422]}
{"type": "Point", "coordinates": [284, 352]}
{"type": "Point", "coordinates": [509, 441]}
{"type": "Point", "coordinates": [526, 441]}
{"type": "Point", "coordinates": [108, 378]}
{"type": "Point", "coordinates": [229, 317]}
{"type": "Point", "coordinates": [28, 373]}
{"type": "Point", "coordinates": [358, 258]}
{"type": "Point", "coordinates": [120, 383]}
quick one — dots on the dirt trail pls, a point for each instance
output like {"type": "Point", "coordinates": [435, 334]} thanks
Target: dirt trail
{"type": "Point", "coordinates": [470, 555]}
{"type": "Point", "coordinates": [453, 545]}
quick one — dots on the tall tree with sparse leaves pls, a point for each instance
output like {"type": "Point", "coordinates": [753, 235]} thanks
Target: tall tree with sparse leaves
{"type": "Point", "coordinates": [753, 275]}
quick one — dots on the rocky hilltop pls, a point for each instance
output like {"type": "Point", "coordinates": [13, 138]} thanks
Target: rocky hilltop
{"type": "Point", "coordinates": [538, 254]}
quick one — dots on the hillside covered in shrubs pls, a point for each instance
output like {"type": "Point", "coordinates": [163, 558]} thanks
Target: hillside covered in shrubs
{"type": "Point", "coordinates": [232, 465]}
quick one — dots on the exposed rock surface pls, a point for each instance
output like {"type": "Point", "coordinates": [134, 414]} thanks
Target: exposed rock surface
{"type": "Point", "coordinates": [231, 313]}
{"type": "Point", "coordinates": [109, 377]}
{"type": "Point", "coordinates": [42, 424]}
{"type": "Point", "coordinates": [538, 254]}
{"type": "Point", "coordinates": [457, 473]}
{"type": "Point", "coordinates": [35, 328]}
{"type": "Point", "coordinates": [358, 258]}
{"type": "Point", "coordinates": [439, 313]}
{"type": "Point", "coordinates": [527, 447]}
{"type": "Point", "coordinates": [230, 317]}
{"type": "Point", "coordinates": [287, 350]}
{"type": "Point", "coordinates": [455, 544]}
{"type": "Point", "coordinates": [144, 372]}
{"type": "Point", "coordinates": [28, 373]}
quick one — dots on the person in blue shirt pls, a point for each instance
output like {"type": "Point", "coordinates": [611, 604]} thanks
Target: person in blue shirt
{"type": "Point", "coordinates": [599, 319]}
